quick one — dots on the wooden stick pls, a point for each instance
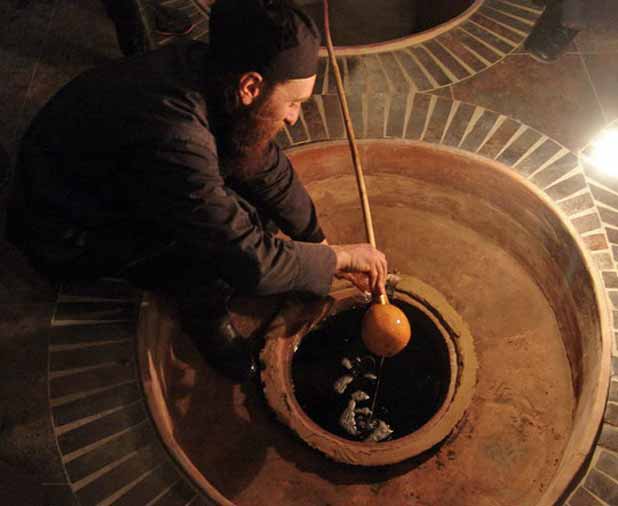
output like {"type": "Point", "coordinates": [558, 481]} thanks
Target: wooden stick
{"type": "Point", "coordinates": [360, 180]}
{"type": "Point", "coordinates": [356, 160]}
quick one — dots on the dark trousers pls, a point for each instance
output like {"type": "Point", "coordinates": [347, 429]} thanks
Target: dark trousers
{"type": "Point", "coordinates": [143, 253]}
{"type": "Point", "coordinates": [200, 302]}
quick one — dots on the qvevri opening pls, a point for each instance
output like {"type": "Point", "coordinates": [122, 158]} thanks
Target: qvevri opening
{"type": "Point", "coordinates": [323, 384]}
{"type": "Point", "coordinates": [336, 378]}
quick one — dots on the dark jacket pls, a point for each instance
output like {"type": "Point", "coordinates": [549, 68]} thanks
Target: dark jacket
{"type": "Point", "coordinates": [123, 160]}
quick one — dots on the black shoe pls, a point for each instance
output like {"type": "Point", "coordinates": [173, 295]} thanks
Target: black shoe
{"type": "Point", "coordinates": [225, 350]}
{"type": "Point", "coordinates": [549, 39]}
{"type": "Point", "coordinates": [168, 21]}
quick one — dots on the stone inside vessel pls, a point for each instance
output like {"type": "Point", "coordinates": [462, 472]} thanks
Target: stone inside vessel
{"type": "Point", "coordinates": [336, 378]}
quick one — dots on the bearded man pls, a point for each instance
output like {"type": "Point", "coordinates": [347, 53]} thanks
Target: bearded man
{"type": "Point", "coordinates": [161, 169]}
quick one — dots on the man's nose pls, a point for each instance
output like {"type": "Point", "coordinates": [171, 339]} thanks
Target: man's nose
{"type": "Point", "coordinates": [292, 116]}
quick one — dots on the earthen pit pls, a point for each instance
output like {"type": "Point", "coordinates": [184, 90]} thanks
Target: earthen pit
{"type": "Point", "coordinates": [510, 265]}
{"type": "Point", "coordinates": [387, 20]}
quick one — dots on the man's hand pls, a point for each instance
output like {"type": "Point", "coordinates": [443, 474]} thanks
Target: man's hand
{"type": "Point", "coordinates": [359, 279]}
{"type": "Point", "coordinates": [363, 265]}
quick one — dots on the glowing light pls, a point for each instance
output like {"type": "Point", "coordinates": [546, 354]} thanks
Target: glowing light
{"type": "Point", "coordinates": [604, 152]}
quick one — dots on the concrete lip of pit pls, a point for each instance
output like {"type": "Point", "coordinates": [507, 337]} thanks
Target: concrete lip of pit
{"type": "Point", "coordinates": [374, 29]}
{"type": "Point", "coordinates": [504, 258]}
{"type": "Point", "coordinates": [279, 388]}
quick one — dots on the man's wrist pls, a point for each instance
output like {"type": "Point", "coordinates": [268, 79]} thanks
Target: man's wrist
{"type": "Point", "coordinates": [343, 257]}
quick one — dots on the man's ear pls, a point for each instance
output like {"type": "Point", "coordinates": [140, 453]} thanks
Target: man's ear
{"type": "Point", "coordinates": [249, 87]}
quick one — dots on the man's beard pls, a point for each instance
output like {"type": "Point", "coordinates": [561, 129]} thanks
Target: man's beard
{"type": "Point", "coordinates": [244, 142]}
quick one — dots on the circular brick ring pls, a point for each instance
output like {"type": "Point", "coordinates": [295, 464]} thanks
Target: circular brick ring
{"type": "Point", "coordinates": [106, 440]}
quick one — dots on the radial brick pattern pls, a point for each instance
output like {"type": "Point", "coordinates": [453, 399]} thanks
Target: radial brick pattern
{"type": "Point", "coordinates": [491, 33]}
{"type": "Point", "coordinates": [108, 445]}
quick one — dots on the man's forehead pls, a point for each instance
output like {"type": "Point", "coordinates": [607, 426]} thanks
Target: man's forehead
{"type": "Point", "coordinates": [298, 89]}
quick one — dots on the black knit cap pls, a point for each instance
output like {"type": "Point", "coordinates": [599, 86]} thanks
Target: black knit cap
{"type": "Point", "coordinates": [272, 37]}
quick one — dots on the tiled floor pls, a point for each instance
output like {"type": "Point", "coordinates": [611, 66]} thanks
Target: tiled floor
{"type": "Point", "coordinates": [565, 107]}
{"type": "Point", "coordinates": [44, 43]}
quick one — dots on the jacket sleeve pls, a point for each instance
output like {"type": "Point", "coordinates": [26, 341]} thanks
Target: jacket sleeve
{"type": "Point", "coordinates": [278, 192]}
{"type": "Point", "coordinates": [182, 189]}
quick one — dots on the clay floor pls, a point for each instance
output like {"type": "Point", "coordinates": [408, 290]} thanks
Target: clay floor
{"type": "Point", "coordinates": [44, 43]}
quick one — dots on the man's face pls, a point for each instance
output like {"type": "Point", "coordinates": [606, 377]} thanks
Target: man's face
{"type": "Point", "coordinates": [287, 97]}
{"type": "Point", "coordinates": [257, 122]}
{"type": "Point", "coordinates": [282, 105]}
